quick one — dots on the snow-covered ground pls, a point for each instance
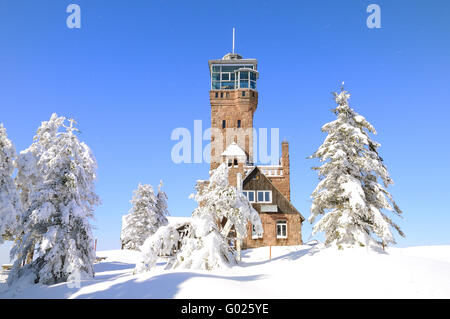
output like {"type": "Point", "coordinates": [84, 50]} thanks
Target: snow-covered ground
{"type": "Point", "coordinates": [293, 272]}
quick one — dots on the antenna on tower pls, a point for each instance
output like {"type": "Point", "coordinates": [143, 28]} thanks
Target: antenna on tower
{"type": "Point", "coordinates": [233, 40]}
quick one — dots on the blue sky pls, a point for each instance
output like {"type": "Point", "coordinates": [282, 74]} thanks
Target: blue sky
{"type": "Point", "coordinates": [136, 70]}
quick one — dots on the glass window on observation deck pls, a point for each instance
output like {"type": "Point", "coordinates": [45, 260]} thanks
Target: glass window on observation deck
{"type": "Point", "coordinates": [243, 84]}
{"type": "Point", "coordinates": [225, 77]}
{"type": "Point", "coordinates": [215, 85]}
{"type": "Point", "coordinates": [247, 79]}
{"type": "Point", "coordinates": [227, 86]}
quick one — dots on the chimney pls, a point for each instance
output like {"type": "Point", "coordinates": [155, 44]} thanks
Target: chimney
{"type": "Point", "coordinates": [239, 182]}
{"type": "Point", "coordinates": [286, 189]}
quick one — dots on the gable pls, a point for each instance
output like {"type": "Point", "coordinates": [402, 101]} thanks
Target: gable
{"type": "Point", "coordinates": [256, 180]}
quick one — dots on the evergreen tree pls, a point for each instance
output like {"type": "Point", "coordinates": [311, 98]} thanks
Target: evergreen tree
{"type": "Point", "coordinates": [143, 219]}
{"type": "Point", "coordinates": [349, 198]}
{"type": "Point", "coordinates": [204, 243]}
{"type": "Point", "coordinates": [161, 206]}
{"type": "Point", "coordinates": [221, 202]}
{"type": "Point", "coordinates": [10, 205]}
{"type": "Point", "coordinates": [60, 200]}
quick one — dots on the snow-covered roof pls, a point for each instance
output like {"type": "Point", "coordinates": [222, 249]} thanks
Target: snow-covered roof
{"type": "Point", "coordinates": [234, 150]}
{"type": "Point", "coordinates": [175, 221]}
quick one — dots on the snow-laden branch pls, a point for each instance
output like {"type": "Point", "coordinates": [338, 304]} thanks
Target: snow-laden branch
{"type": "Point", "coordinates": [349, 198]}
{"type": "Point", "coordinates": [202, 243]}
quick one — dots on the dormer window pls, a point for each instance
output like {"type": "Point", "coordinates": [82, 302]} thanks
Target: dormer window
{"type": "Point", "coordinates": [264, 196]}
{"type": "Point", "coordinates": [250, 195]}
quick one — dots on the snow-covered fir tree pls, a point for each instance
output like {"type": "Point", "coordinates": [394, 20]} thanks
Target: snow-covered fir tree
{"type": "Point", "coordinates": [10, 205]}
{"type": "Point", "coordinates": [204, 243]}
{"type": "Point", "coordinates": [221, 202]}
{"type": "Point", "coordinates": [145, 216]}
{"type": "Point", "coordinates": [29, 176]}
{"type": "Point", "coordinates": [161, 206]}
{"type": "Point", "coordinates": [60, 201]}
{"type": "Point", "coordinates": [349, 198]}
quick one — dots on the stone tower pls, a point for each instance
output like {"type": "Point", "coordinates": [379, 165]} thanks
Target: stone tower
{"type": "Point", "coordinates": [234, 100]}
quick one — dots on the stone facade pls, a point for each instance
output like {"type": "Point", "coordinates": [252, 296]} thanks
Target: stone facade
{"type": "Point", "coordinates": [283, 182]}
{"type": "Point", "coordinates": [281, 210]}
{"type": "Point", "coordinates": [231, 107]}
{"type": "Point", "coordinates": [232, 111]}
{"type": "Point", "coordinates": [269, 221]}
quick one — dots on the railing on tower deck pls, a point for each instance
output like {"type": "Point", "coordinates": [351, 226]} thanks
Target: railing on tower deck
{"type": "Point", "coordinates": [268, 170]}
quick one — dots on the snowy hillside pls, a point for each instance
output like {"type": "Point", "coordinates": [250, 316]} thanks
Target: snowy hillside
{"type": "Point", "coordinates": [293, 272]}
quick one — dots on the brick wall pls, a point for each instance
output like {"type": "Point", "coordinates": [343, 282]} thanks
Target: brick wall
{"type": "Point", "coordinates": [269, 221]}
{"type": "Point", "coordinates": [283, 183]}
{"type": "Point", "coordinates": [231, 106]}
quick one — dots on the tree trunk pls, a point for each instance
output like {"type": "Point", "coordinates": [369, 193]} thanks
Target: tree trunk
{"type": "Point", "coordinates": [30, 256]}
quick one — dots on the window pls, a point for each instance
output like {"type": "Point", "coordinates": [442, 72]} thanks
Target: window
{"type": "Point", "coordinates": [267, 197]}
{"type": "Point", "coordinates": [243, 93]}
{"type": "Point", "coordinates": [235, 162]}
{"type": "Point", "coordinates": [224, 124]}
{"type": "Point", "coordinates": [227, 85]}
{"type": "Point", "coordinates": [239, 123]}
{"type": "Point", "coordinates": [281, 229]}
{"type": "Point", "coordinates": [264, 196]}
{"type": "Point", "coordinates": [221, 94]}
{"type": "Point", "coordinates": [217, 95]}
{"type": "Point", "coordinates": [228, 77]}
{"type": "Point", "coordinates": [216, 85]}
{"type": "Point", "coordinates": [228, 68]}
{"type": "Point", "coordinates": [250, 195]}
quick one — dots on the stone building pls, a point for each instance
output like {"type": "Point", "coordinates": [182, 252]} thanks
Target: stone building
{"type": "Point", "coordinates": [234, 100]}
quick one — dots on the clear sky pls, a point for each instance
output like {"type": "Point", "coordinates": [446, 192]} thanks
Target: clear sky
{"type": "Point", "coordinates": [136, 70]}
